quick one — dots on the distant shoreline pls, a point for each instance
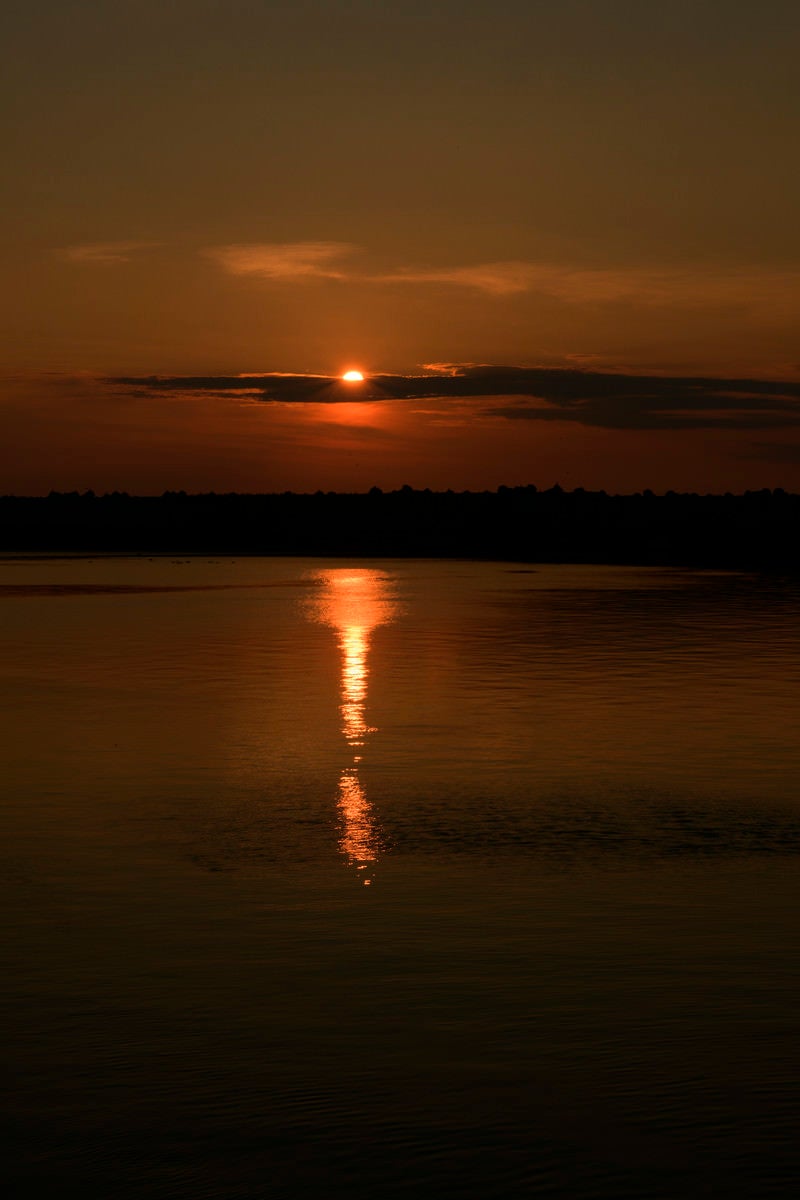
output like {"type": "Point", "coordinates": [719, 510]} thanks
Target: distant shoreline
{"type": "Point", "coordinates": [755, 530]}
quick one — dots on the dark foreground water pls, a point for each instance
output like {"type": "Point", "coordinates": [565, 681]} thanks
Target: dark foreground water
{"type": "Point", "coordinates": [394, 879]}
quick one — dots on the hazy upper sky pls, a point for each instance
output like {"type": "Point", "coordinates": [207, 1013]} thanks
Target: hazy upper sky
{"type": "Point", "coordinates": [208, 188]}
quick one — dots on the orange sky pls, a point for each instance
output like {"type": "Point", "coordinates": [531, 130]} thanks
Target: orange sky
{"type": "Point", "coordinates": [202, 189]}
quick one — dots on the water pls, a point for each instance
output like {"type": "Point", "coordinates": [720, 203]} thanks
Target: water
{"type": "Point", "coordinates": [399, 878]}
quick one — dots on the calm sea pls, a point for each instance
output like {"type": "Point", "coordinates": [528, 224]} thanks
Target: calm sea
{"type": "Point", "coordinates": [398, 879]}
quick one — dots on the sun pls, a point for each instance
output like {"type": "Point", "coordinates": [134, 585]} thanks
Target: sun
{"type": "Point", "coordinates": [353, 377]}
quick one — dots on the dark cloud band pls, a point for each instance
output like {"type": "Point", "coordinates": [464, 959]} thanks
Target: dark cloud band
{"type": "Point", "coordinates": [614, 401]}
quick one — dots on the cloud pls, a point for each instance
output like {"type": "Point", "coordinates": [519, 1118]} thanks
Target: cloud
{"type": "Point", "coordinates": [651, 286]}
{"type": "Point", "coordinates": [593, 398]}
{"type": "Point", "coordinates": [763, 289]}
{"type": "Point", "coordinates": [292, 262]}
{"type": "Point", "coordinates": [103, 254]}
{"type": "Point", "coordinates": [622, 401]}
{"type": "Point", "coordinates": [775, 452]}
{"type": "Point", "coordinates": [498, 279]}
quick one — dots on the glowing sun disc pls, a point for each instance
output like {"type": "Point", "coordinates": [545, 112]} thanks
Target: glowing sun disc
{"type": "Point", "coordinates": [353, 377]}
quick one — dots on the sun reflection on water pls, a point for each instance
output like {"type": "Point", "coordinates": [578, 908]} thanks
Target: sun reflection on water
{"type": "Point", "coordinates": [360, 841]}
{"type": "Point", "coordinates": [355, 602]}
{"type": "Point", "coordinates": [355, 645]}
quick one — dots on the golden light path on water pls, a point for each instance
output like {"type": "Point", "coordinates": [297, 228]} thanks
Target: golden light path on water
{"type": "Point", "coordinates": [355, 602]}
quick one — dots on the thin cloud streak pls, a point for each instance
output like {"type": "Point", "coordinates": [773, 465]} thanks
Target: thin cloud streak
{"type": "Point", "coordinates": [775, 290]}
{"type": "Point", "coordinates": [589, 398]}
{"type": "Point", "coordinates": [287, 262]}
{"type": "Point", "coordinates": [655, 287]}
{"type": "Point", "coordinates": [498, 279]}
{"type": "Point", "coordinates": [103, 254]}
{"type": "Point", "coordinates": [757, 289]}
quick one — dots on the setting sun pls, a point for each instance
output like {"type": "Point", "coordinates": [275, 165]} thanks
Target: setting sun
{"type": "Point", "coordinates": [353, 377]}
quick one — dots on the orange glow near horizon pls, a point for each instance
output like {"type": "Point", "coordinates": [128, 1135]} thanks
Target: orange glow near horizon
{"type": "Point", "coordinates": [355, 602]}
{"type": "Point", "coordinates": [353, 377]}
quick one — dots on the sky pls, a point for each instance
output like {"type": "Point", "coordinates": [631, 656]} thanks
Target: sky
{"type": "Point", "coordinates": [213, 209]}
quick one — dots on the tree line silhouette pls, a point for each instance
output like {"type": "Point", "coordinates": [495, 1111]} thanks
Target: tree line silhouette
{"type": "Point", "coordinates": [757, 529]}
